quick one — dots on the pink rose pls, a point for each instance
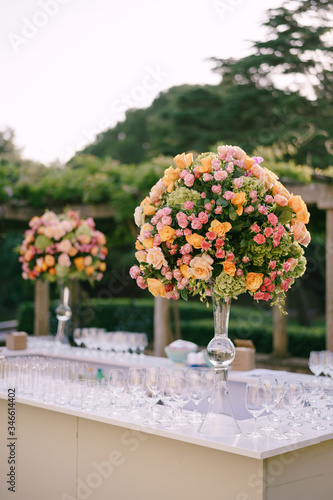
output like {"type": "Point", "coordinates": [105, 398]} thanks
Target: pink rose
{"type": "Point", "coordinates": [210, 235]}
{"type": "Point", "coordinates": [208, 207]}
{"type": "Point", "coordinates": [178, 233]}
{"type": "Point", "coordinates": [245, 259]}
{"type": "Point", "coordinates": [220, 175]}
{"type": "Point", "coordinates": [253, 195]}
{"type": "Point", "coordinates": [207, 177]}
{"type": "Point", "coordinates": [166, 210]}
{"type": "Point", "coordinates": [286, 266]}
{"type": "Point", "coordinates": [229, 195]}
{"type": "Point", "coordinates": [273, 275]}
{"type": "Point", "coordinates": [188, 205]}
{"type": "Point", "coordinates": [269, 198]}
{"type": "Point", "coordinates": [141, 282]}
{"type": "Point", "coordinates": [220, 254]}
{"type": "Point", "coordinates": [272, 264]}
{"type": "Point", "coordinates": [238, 182]}
{"type": "Point", "coordinates": [216, 188]}
{"type": "Point", "coordinates": [255, 228]}
{"type": "Point", "coordinates": [64, 260]}
{"type": "Point", "coordinates": [218, 210]}
{"type": "Point", "coordinates": [189, 180]}
{"type": "Point", "coordinates": [272, 218]}
{"type": "Point", "coordinates": [239, 272]}
{"type": "Point", "coordinates": [205, 245]}
{"type": "Point", "coordinates": [167, 220]}
{"type": "Point", "coordinates": [280, 200]}
{"type": "Point", "coordinates": [187, 259]}
{"type": "Point", "coordinates": [134, 272]}
{"type": "Point", "coordinates": [219, 242]}
{"type": "Point", "coordinates": [262, 209]}
{"type": "Point", "coordinates": [203, 195]}
{"type": "Point", "coordinates": [187, 232]}
{"type": "Point", "coordinates": [259, 239]}
{"type": "Point", "coordinates": [268, 231]}
{"type": "Point", "coordinates": [249, 209]}
{"type": "Point", "coordinates": [203, 217]}
{"type": "Point", "coordinates": [216, 163]}
{"type": "Point", "coordinates": [196, 224]}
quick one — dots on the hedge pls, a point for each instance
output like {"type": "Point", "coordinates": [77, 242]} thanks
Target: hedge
{"type": "Point", "coordinates": [196, 323]}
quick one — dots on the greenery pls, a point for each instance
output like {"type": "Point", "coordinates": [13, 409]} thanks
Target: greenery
{"type": "Point", "coordinates": [196, 323]}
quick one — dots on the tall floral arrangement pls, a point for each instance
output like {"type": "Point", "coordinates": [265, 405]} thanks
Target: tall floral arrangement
{"type": "Point", "coordinates": [220, 223]}
{"type": "Point", "coordinates": [60, 247]}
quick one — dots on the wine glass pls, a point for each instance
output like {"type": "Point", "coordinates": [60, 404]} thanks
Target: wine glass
{"type": "Point", "coordinates": [116, 384]}
{"type": "Point", "coordinates": [254, 404]}
{"type": "Point", "coordinates": [197, 389]}
{"type": "Point", "coordinates": [136, 384]}
{"type": "Point", "coordinates": [318, 400]}
{"type": "Point", "coordinates": [154, 386]}
{"type": "Point", "coordinates": [315, 362]}
{"type": "Point", "coordinates": [280, 409]}
{"type": "Point", "coordinates": [77, 336]}
{"type": "Point", "coordinates": [268, 384]}
{"type": "Point", "coordinates": [295, 392]}
{"type": "Point", "coordinates": [142, 342]}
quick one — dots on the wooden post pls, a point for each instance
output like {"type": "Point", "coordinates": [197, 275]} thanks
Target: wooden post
{"type": "Point", "coordinates": [42, 314]}
{"type": "Point", "coordinates": [162, 331]}
{"type": "Point", "coordinates": [329, 279]}
{"type": "Point", "coordinates": [280, 338]}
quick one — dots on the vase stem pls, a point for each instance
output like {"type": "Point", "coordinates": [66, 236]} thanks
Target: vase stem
{"type": "Point", "coordinates": [64, 314]}
{"type": "Point", "coordinates": [221, 311]}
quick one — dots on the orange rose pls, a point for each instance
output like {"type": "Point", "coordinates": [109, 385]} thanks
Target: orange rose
{"type": "Point", "coordinates": [73, 251]}
{"type": "Point", "coordinates": [238, 200]}
{"type": "Point", "coordinates": [79, 263]}
{"type": "Point", "coordinates": [184, 270]}
{"type": "Point", "coordinates": [170, 175]}
{"type": "Point", "coordinates": [220, 228]}
{"type": "Point", "coordinates": [300, 208]}
{"type": "Point", "coordinates": [156, 287]}
{"type": "Point", "coordinates": [279, 189]}
{"type": "Point", "coordinates": [52, 271]}
{"type": "Point", "coordinates": [229, 268]}
{"type": "Point", "coordinates": [104, 250]}
{"type": "Point", "coordinates": [102, 266]}
{"type": "Point", "coordinates": [183, 160]}
{"type": "Point", "coordinates": [269, 178]}
{"type": "Point", "coordinates": [147, 208]}
{"type": "Point", "coordinates": [84, 239]}
{"type": "Point", "coordinates": [253, 281]}
{"type": "Point", "coordinates": [148, 242]}
{"type": "Point", "coordinates": [167, 233]}
{"type": "Point", "coordinates": [248, 162]}
{"type": "Point", "coordinates": [138, 245]}
{"type": "Point", "coordinates": [90, 270]}
{"type": "Point", "coordinates": [206, 166]}
{"type": "Point", "coordinates": [49, 260]}
{"type": "Point", "coordinates": [195, 240]}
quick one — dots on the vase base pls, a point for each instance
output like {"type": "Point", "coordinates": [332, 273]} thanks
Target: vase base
{"type": "Point", "coordinates": [218, 426]}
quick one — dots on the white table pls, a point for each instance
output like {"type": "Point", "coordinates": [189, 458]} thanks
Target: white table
{"type": "Point", "coordinates": [64, 454]}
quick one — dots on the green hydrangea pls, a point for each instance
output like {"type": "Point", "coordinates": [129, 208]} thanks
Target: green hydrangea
{"type": "Point", "coordinates": [182, 194]}
{"type": "Point", "coordinates": [253, 184]}
{"type": "Point", "coordinates": [229, 286]}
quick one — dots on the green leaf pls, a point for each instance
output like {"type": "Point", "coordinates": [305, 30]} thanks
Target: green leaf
{"type": "Point", "coordinates": [232, 213]}
{"type": "Point", "coordinates": [244, 243]}
{"type": "Point", "coordinates": [222, 202]}
{"type": "Point", "coordinates": [285, 215]}
{"type": "Point", "coordinates": [184, 294]}
{"type": "Point", "coordinates": [217, 270]}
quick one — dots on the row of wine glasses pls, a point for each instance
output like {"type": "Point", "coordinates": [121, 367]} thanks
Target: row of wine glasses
{"type": "Point", "coordinates": [321, 362]}
{"type": "Point", "coordinates": [282, 400]}
{"type": "Point", "coordinates": [118, 344]}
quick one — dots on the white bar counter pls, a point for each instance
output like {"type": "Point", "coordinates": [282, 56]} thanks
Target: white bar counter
{"type": "Point", "coordinates": [62, 453]}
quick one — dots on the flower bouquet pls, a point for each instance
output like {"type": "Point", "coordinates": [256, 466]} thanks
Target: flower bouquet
{"type": "Point", "coordinates": [60, 248]}
{"type": "Point", "coordinates": [221, 224]}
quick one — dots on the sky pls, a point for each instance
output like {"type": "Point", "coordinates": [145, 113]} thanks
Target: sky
{"type": "Point", "coordinates": [71, 68]}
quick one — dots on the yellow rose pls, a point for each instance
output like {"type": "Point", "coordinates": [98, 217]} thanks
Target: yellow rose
{"type": "Point", "coordinates": [156, 287]}
{"type": "Point", "coordinates": [102, 266]}
{"type": "Point", "coordinates": [49, 260]}
{"type": "Point", "coordinates": [194, 240]}
{"type": "Point", "coordinates": [167, 233]}
{"type": "Point", "coordinates": [253, 281]}
{"type": "Point", "coordinates": [206, 166]}
{"type": "Point", "coordinates": [201, 268]}
{"type": "Point", "coordinates": [184, 270]}
{"type": "Point", "coordinates": [141, 255]}
{"type": "Point", "coordinates": [269, 178]}
{"type": "Point", "coordinates": [90, 270]}
{"type": "Point", "coordinates": [220, 228]}
{"type": "Point", "coordinates": [183, 160]}
{"type": "Point", "coordinates": [300, 208]}
{"type": "Point", "coordinates": [238, 200]}
{"type": "Point", "coordinates": [229, 268]}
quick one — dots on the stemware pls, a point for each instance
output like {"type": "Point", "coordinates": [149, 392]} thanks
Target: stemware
{"type": "Point", "coordinates": [295, 399]}
{"type": "Point", "coordinates": [77, 336]}
{"type": "Point", "coordinates": [268, 384]}
{"type": "Point", "coordinates": [318, 400]}
{"type": "Point", "coordinates": [136, 384]}
{"type": "Point", "coordinates": [154, 382]}
{"type": "Point", "coordinates": [315, 362]}
{"type": "Point", "coordinates": [116, 384]}
{"type": "Point", "coordinates": [197, 390]}
{"type": "Point", "coordinates": [280, 409]}
{"type": "Point", "coordinates": [254, 404]}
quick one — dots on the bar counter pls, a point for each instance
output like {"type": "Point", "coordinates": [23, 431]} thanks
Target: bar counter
{"type": "Point", "coordinates": [62, 453]}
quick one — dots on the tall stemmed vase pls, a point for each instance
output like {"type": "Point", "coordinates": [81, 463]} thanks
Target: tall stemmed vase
{"type": "Point", "coordinates": [63, 314]}
{"type": "Point", "coordinates": [219, 420]}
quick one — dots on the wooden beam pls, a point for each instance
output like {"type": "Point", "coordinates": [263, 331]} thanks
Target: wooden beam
{"type": "Point", "coordinates": [41, 315]}
{"type": "Point", "coordinates": [162, 331]}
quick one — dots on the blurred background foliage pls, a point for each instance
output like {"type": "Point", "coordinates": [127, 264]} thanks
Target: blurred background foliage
{"type": "Point", "coordinates": [276, 102]}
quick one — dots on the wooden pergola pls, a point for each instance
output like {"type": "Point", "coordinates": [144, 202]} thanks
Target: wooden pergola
{"type": "Point", "coordinates": [319, 194]}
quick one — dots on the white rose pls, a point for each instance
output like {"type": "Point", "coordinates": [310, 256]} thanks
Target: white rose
{"type": "Point", "coordinates": [157, 191]}
{"type": "Point", "coordinates": [139, 218]}
{"type": "Point", "coordinates": [155, 258]}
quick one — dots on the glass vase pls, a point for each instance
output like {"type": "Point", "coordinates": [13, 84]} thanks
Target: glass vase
{"type": "Point", "coordinates": [63, 314]}
{"type": "Point", "coordinates": [219, 420]}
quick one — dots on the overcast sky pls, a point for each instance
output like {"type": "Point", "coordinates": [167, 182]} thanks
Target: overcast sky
{"type": "Point", "coordinates": [70, 68]}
